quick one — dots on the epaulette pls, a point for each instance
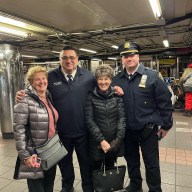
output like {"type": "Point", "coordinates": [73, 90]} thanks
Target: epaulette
{"type": "Point", "coordinates": [148, 68]}
{"type": "Point", "coordinates": [158, 74]}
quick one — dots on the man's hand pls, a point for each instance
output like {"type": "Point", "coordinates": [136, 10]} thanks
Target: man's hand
{"type": "Point", "coordinates": [19, 96]}
{"type": "Point", "coordinates": [162, 133]}
{"type": "Point", "coordinates": [118, 90]}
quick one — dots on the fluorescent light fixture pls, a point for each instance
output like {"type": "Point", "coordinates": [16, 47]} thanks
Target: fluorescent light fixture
{"type": "Point", "coordinates": [55, 51]}
{"type": "Point", "coordinates": [112, 58]}
{"type": "Point", "coordinates": [96, 59]}
{"type": "Point", "coordinates": [13, 31]}
{"type": "Point", "coordinates": [166, 43]}
{"type": "Point", "coordinates": [29, 56]}
{"type": "Point", "coordinates": [87, 50]}
{"type": "Point", "coordinates": [44, 63]}
{"type": "Point", "coordinates": [52, 62]}
{"type": "Point", "coordinates": [115, 46]}
{"type": "Point", "coordinates": [156, 8]}
{"type": "Point", "coordinates": [38, 63]}
{"type": "Point", "coordinates": [10, 21]}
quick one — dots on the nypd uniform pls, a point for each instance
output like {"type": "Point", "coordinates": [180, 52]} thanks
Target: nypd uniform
{"type": "Point", "coordinates": [147, 101]}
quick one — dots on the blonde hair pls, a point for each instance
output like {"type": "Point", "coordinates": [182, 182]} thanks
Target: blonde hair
{"type": "Point", "coordinates": [34, 70]}
{"type": "Point", "coordinates": [104, 70]}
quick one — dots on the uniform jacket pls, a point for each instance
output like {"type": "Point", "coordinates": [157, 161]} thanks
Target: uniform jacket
{"type": "Point", "coordinates": [148, 104]}
{"type": "Point", "coordinates": [69, 101]}
{"type": "Point", "coordinates": [105, 119]}
{"type": "Point", "coordinates": [29, 115]}
{"type": "Point", "coordinates": [186, 79]}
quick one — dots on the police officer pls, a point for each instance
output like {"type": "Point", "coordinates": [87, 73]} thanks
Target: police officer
{"type": "Point", "coordinates": [148, 107]}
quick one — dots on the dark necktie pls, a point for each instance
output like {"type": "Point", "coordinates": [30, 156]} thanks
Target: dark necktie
{"type": "Point", "coordinates": [130, 76]}
{"type": "Point", "coordinates": [70, 81]}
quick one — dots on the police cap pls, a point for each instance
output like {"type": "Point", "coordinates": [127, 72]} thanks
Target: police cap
{"type": "Point", "coordinates": [129, 48]}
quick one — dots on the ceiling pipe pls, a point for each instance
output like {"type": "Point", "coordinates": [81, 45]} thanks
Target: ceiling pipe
{"type": "Point", "coordinates": [179, 19]}
{"type": "Point", "coordinates": [146, 26]}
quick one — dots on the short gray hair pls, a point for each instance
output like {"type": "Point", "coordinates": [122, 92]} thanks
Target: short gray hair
{"type": "Point", "coordinates": [104, 70]}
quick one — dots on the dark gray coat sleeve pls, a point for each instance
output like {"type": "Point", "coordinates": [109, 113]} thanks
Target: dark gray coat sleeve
{"type": "Point", "coordinates": [164, 104]}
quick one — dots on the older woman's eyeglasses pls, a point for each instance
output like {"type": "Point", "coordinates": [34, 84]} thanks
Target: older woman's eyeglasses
{"type": "Point", "coordinates": [65, 58]}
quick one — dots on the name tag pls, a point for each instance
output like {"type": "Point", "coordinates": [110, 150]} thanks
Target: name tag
{"type": "Point", "coordinates": [57, 83]}
{"type": "Point", "coordinates": [143, 81]}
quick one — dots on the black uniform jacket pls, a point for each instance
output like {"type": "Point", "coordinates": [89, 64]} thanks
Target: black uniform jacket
{"type": "Point", "coordinates": [105, 119]}
{"type": "Point", "coordinates": [145, 102]}
{"type": "Point", "coordinates": [69, 100]}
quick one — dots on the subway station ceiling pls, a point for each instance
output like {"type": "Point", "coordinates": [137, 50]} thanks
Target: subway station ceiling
{"type": "Point", "coordinates": [97, 25]}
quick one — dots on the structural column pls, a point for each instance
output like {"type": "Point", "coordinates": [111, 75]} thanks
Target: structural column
{"type": "Point", "coordinates": [177, 69]}
{"type": "Point", "coordinates": [11, 80]}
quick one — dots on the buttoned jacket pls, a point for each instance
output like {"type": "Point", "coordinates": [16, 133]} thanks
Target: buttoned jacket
{"type": "Point", "coordinates": [145, 101]}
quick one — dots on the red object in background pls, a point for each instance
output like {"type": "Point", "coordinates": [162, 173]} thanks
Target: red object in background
{"type": "Point", "coordinates": [184, 50]}
{"type": "Point", "coordinates": [188, 101]}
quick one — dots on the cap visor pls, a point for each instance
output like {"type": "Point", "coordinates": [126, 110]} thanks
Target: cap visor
{"type": "Point", "coordinates": [130, 53]}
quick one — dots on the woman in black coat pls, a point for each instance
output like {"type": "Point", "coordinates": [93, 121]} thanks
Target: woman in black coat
{"type": "Point", "coordinates": [105, 119]}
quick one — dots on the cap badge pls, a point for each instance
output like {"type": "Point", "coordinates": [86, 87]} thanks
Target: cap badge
{"type": "Point", "coordinates": [127, 45]}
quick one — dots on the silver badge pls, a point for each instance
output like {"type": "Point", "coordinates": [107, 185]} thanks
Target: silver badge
{"type": "Point", "coordinates": [143, 81]}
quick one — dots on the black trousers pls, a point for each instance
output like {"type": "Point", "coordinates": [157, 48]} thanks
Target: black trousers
{"type": "Point", "coordinates": [150, 152]}
{"type": "Point", "coordinates": [45, 184]}
{"type": "Point", "coordinates": [80, 144]}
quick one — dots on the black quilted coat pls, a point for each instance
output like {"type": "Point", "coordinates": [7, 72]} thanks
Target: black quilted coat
{"type": "Point", "coordinates": [105, 119]}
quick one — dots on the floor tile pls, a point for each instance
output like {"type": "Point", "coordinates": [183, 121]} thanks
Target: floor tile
{"type": "Point", "coordinates": [175, 162]}
{"type": "Point", "coordinates": [184, 180]}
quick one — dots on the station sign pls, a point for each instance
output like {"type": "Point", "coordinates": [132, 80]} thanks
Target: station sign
{"type": "Point", "coordinates": [167, 61]}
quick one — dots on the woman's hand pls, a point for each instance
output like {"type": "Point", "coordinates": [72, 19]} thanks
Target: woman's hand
{"type": "Point", "coordinates": [105, 146]}
{"type": "Point", "coordinates": [31, 161]}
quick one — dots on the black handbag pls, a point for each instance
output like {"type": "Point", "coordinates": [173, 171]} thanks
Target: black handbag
{"type": "Point", "coordinates": [109, 179]}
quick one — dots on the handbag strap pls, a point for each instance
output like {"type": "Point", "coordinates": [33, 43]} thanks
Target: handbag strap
{"type": "Point", "coordinates": [104, 167]}
{"type": "Point", "coordinates": [50, 106]}
{"type": "Point", "coordinates": [117, 167]}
